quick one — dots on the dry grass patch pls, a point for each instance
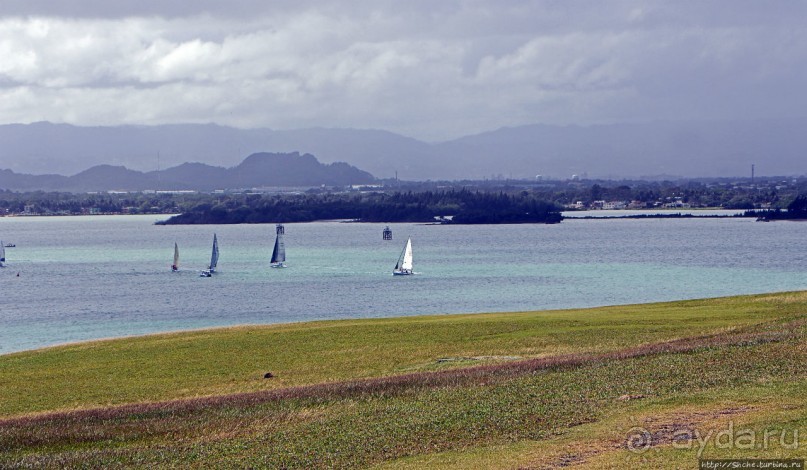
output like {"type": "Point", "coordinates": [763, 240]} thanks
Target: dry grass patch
{"type": "Point", "coordinates": [784, 298]}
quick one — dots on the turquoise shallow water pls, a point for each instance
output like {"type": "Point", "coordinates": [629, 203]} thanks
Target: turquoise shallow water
{"type": "Point", "coordinates": [108, 276]}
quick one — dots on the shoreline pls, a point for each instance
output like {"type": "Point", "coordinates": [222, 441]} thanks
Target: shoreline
{"type": "Point", "coordinates": [406, 390]}
{"type": "Point", "coordinates": [422, 317]}
{"type": "Point", "coordinates": [630, 214]}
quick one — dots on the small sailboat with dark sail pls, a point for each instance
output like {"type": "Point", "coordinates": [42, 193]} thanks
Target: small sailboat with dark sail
{"type": "Point", "coordinates": [404, 266]}
{"type": "Point", "coordinates": [279, 252]}
{"type": "Point", "coordinates": [214, 259]}
{"type": "Point", "coordinates": [175, 266]}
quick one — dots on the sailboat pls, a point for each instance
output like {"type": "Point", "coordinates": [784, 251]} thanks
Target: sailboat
{"type": "Point", "coordinates": [404, 265]}
{"type": "Point", "coordinates": [2, 254]}
{"type": "Point", "coordinates": [175, 266]}
{"type": "Point", "coordinates": [214, 259]}
{"type": "Point", "coordinates": [279, 252]}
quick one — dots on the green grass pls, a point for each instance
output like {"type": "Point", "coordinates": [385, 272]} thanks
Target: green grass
{"type": "Point", "coordinates": [230, 360]}
{"type": "Point", "coordinates": [775, 405]}
{"type": "Point", "coordinates": [502, 417]}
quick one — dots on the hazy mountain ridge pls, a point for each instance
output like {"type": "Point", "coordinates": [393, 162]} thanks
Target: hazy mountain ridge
{"type": "Point", "coordinates": [689, 149]}
{"type": "Point", "coordinates": [684, 148]}
{"type": "Point", "coordinates": [257, 170]}
{"type": "Point", "coordinates": [43, 147]}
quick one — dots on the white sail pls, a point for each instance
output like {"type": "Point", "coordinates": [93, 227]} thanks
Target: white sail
{"type": "Point", "coordinates": [214, 257]}
{"type": "Point", "coordinates": [407, 257]}
{"type": "Point", "coordinates": [279, 252]}
{"type": "Point", "coordinates": [405, 265]}
{"type": "Point", "coordinates": [175, 266]}
{"type": "Point", "coordinates": [2, 253]}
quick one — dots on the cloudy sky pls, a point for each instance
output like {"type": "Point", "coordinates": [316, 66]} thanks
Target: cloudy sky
{"type": "Point", "coordinates": [428, 69]}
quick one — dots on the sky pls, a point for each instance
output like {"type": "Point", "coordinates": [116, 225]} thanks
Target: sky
{"type": "Point", "coordinates": [432, 70]}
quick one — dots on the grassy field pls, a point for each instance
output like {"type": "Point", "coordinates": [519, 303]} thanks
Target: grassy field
{"type": "Point", "coordinates": [515, 390]}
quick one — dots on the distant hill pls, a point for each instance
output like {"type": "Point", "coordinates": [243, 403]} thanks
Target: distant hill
{"type": "Point", "coordinates": [257, 170]}
{"type": "Point", "coordinates": [43, 147]}
{"type": "Point", "coordinates": [672, 148]}
{"type": "Point", "coordinates": [686, 149]}
{"type": "Point", "coordinates": [22, 182]}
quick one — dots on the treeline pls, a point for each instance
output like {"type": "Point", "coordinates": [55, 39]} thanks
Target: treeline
{"type": "Point", "coordinates": [694, 193]}
{"type": "Point", "coordinates": [734, 193]}
{"type": "Point", "coordinates": [48, 203]}
{"type": "Point", "coordinates": [796, 210]}
{"type": "Point", "coordinates": [459, 207]}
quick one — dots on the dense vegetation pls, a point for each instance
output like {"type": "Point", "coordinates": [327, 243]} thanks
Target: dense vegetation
{"type": "Point", "coordinates": [63, 203]}
{"type": "Point", "coordinates": [512, 390]}
{"type": "Point", "coordinates": [718, 193]}
{"type": "Point", "coordinates": [796, 210]}
{"type": "Point", "coordinates": [461, 207]}
{"type": "Point", "coordinates": [419, 201]}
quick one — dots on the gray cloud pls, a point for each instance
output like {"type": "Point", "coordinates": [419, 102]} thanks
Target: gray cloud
{"type": "Point", "coordinates": [432, 70]}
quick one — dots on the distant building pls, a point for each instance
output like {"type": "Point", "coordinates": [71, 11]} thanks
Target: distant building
{"type": "Point", "coordinates": [612, 205]}
{"type": "Point", "coordinates": [677, 204]}
{"type": "Point", "coordinates": [365, 187]}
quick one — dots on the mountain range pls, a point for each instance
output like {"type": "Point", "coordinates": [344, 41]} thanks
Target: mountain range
{"type": "Point", "coordinates": [257, 170]}
{"type": "Point", "coordinates": [629, 150]}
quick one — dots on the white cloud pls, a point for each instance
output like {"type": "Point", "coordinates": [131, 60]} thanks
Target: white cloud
{"type": "Point", "coordinates": [431, 70]}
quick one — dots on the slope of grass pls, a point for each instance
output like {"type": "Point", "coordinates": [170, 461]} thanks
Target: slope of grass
{"type": "Point", "coordinates": [352, 427]}
{"type": "Point", "coordinates": [751, 407]}
{"type": "Point", "coordinates": [230, 360]}
{"type": "Point", "coordinates": [372, 393]}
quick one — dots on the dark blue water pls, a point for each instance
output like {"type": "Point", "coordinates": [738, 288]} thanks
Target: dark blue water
{"type": "Point", "coordinates": [107, 276]}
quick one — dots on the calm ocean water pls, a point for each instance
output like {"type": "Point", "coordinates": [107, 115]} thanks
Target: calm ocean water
{"type": "Point", "coordinates": [106, 276]}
